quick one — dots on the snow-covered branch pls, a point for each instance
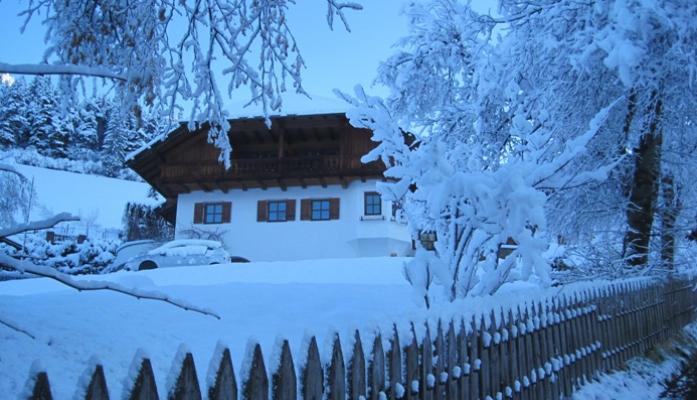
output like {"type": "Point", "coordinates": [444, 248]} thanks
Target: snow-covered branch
{"type": "Point", "coordinates": [58, 69]}
{"type": "Point", "coordinates": [12, 170]}
{"type": "Point", "coordinates": [161, 53]}
{"type": "Point", "coordinates": [38, 225]}
{"type": "Point", "coordinates": [24, 266]}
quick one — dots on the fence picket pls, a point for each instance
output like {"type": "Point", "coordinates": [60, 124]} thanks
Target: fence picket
{"type": "Point", "coordinates": [426, 366]}
{"type": "Point", "coordinates": [451, 361]}
{"type": "Point", "coordinates": [356, 370]}
{"type": "Point", "coordinates": [187, 387]}
{"type": "Point", "coordinates": [97, 389]}
{"type": "Point", "coordinates": [256, 384]}
{"type": "Point", "coordinates": [336, 374]}
{"type": "Point", "coordinates": [394, 367]}
{"type": "Point", "coordinates": [312, 375]}
{"type": "Point", "coordinates": [144, 387]}
{"type": "Point", "coordinates": [42, 388]}
{"type": "Point", "coordinates": [225, 385]}
{"type": "Point", "coordinates": [284, 382]}
{"type": "Point", "coordinates": [411, 370]}
{"type": "Point", "coordinates": [376, 371]}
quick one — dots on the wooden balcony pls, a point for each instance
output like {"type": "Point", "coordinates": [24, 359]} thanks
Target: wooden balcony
{"type": "Point", "coordinates": [273, 169]}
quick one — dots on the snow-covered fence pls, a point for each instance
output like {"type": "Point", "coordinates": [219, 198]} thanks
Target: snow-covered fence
{"type": "Point", "coordinates": [538, 351]}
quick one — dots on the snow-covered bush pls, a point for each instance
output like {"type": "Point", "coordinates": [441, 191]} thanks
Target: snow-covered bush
{"type": "Point", "coordinates": [142, 221]}
{"type": "Point", "coordinates": [67, 256]}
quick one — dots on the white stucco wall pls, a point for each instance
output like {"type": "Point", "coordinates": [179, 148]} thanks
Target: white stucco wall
{"type": "Point", "coordinates": [349, 236]}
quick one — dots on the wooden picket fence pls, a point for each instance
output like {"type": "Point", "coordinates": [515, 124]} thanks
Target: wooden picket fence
{"type": "Point", "coordinates": [543, 350]}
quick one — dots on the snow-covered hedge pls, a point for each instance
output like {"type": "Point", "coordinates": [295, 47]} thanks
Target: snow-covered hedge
{"type": "Point", "coordinates": [88, 257]}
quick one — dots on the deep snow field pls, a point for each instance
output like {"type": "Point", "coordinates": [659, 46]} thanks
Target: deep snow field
{"type": "Point", "coordinates": [255, 300]}
{"type": "Point", "coordinates": [262, 301]}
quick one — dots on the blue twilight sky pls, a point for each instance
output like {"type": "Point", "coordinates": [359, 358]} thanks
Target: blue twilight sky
{"type": "Point", "coordinates": [335, 59]}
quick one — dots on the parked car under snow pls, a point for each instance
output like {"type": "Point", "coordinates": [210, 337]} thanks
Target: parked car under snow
{"type": "Point", "coordinates": [149, 254]}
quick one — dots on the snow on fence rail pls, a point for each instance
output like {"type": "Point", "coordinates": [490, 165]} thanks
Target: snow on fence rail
{"type": "Point", "coordinates": [543, 351]}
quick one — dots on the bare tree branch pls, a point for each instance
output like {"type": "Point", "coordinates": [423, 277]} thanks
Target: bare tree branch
{"type": "Point", "coordinates": [38, 225]}
{"type": "Point", "coordinates": [48, 272]}
{"type": "Point", "coordinates": [16, 328]}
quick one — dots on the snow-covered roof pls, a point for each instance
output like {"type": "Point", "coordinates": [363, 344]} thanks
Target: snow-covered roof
{"type": "Point", "coordinates": [293, 105]}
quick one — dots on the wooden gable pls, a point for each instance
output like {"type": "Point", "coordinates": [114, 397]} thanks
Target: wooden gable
{"type": "Point", "coordinates": [297, 151]}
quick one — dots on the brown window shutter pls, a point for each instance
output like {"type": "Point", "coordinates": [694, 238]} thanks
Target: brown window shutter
{"type": "Point", "coordinates": [290, 210]}
{"type": "Point", "coordinates": [227, 211]}
{"type": "Point", "coordinates": [334, 208]}
{"type": "Point", "coordinates": [262, 210]}
{"type": "Point", "coordinates": [198, 213]}
{"type": "Point", "coordinates": [305, 209]}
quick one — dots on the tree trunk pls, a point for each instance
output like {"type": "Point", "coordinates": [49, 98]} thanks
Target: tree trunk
{"type": "Point", "coordinates": [644, 192]}
{"type": "Point", "coordinates": [669, 214]}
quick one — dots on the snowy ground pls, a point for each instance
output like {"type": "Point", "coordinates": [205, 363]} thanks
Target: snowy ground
{"type": "Point", "coordinates": [262, 301]}
{"type": "Point", "coordinates": [645, 378]}
{"type": "Point", "coordinates": [256, 300]}
{"type": "Point", "coordinates": [97, 200]}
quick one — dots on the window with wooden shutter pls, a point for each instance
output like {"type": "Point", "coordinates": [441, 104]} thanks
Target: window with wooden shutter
{"type": "Point", "coordinates": [334, 208]}
{"type": "Point", "coordinates": [198, 213]}
{"type": "Point", "coordinates": [261, 210]}
{"type": "Point", "coordinates": [212, 213]}
{"type": "Point", "coordinates": [227, 212]}
{"type": "Point", "coordinates": [290, 210]}
{"type": "Point", "coordinates": [305, 209]}
{"type": "Point", "coordinates": [319, 209]}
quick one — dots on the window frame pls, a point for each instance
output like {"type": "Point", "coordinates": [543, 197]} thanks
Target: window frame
{"type": "Point", "coordinates": [321, 209]}
{"type": "Point", "coordinates": [366, 205]}
{"type": "Point", "coordinates": [277, 203]}
{"type": "Point", "coordinates": [219, 213]}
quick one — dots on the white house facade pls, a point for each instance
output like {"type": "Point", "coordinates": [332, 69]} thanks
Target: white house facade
{"type": "Point", "coordinates": [269, 225]}
{"type": "Point", "coordinates": [297, 191]}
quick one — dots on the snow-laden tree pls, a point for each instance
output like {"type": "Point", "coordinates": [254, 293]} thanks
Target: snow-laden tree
{"type": "Point", "coordinates": [494, 101]}
{"type": "Point", "coordinates": [165, 52]}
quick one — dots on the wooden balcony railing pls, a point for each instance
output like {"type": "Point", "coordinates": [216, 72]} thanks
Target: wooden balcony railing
{"type": "Point", "coordinates": [298, 167]}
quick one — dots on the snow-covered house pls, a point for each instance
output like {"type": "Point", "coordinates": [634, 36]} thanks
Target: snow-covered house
{"type": "Point", "coordinates": [295, 191]}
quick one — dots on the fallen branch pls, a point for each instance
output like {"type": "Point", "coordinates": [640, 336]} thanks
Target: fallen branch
{"type": "Point", "coordinates": [38, 225]}
{"type": "Point", "coordinates": [16, 328]}
{"type": "Point", "coordinates": [48, 272]}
